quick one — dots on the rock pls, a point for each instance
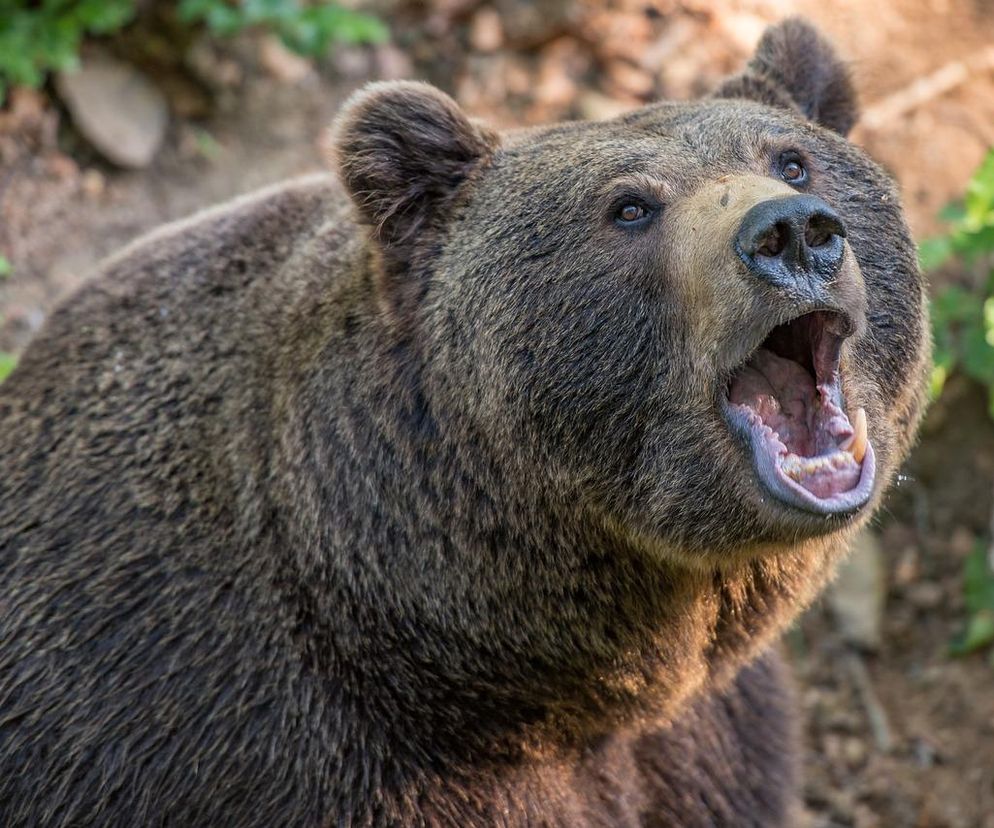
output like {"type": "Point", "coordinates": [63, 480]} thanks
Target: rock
{"type": "Point", "coordinates": [352, 62]}
{"type": "Point", "coordinates": [854, 751]}
{"type": "Point", "coordinates": [392, 63]}
{"type": "Point", "coordinates": [743, 29]}
{"type": "Point", "coordinates": [908, 566]}
{"type": "Point", "coordinates": [281, 63]}
{"type": "Point", "coordinates": [857, 596]}
{"type": "Point", "coordinates": [630, 80]}
{"type": "Point", "coordinates": [61, 167]}
{"type": "Point", "coordinates": [529, 24]}
{"type": "Point", "coordinates": [93, 184]}
{"type": "Point", "coordinates": [116, 108]}
{"type": "Point", "coordinates": [215, 71]}
{"type": "Point", "coordinates": [926, 595]}
{"type": "Point", "coordinates": [962, 542]}
{"type": "Point", "coordinates": [486, 33]}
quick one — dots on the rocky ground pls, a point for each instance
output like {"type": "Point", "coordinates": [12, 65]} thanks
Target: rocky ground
{"type": "Point", "coordinates": [898, 733]}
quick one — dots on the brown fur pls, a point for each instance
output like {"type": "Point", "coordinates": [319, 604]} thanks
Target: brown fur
{"type": "Point", "coordinates": [407, 501]}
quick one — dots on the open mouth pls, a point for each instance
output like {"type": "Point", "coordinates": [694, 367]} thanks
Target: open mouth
{"type": "Point", "coordinates": [786, 400]}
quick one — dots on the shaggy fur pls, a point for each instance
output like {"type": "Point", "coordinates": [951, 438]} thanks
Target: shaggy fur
{"type": "Point", "coordinates": [406, 500]}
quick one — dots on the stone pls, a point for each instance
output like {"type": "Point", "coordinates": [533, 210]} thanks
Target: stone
{"type": "Point", "coordinates": [116, 108]}
{"type": "Point", "coordinates": [858, 593]}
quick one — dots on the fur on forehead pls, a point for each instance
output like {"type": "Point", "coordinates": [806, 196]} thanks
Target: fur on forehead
{"type": "Point", "coordinates": [402, 149]}
{"type": "Point", "coordinates": [796, 68]}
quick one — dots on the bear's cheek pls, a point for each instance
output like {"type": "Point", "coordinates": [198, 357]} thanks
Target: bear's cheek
{"type": "Point", "coordinates": [562, 361]}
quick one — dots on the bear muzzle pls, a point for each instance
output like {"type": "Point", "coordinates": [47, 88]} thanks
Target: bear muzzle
{"type": "Point", "coordinates": [795, 243]}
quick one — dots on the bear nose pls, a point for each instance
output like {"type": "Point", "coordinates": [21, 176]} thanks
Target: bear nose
{"type": "Point", "coordinates": [792, 240]}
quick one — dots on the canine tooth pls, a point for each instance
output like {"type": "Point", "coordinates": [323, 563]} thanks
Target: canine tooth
{"type": "Point", "coordinates": [856, 443]}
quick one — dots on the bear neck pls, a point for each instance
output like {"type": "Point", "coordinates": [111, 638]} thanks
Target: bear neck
{"type": "Point", "coordinates": [460, 613]}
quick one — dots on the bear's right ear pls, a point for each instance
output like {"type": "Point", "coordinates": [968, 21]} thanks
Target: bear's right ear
{"type": "Point", "coordinates": [402, 149]}
{"type": "Point", "coordinates": [795, 67]}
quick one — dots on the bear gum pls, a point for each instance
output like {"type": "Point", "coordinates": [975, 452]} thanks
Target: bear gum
{"type": "Point", "coordinates": [405, 495]}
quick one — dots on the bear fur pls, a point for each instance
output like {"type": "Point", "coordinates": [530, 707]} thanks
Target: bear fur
{"type": "Point", "coordinates": [400, 497]}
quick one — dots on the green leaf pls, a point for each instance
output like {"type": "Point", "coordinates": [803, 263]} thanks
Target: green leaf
{"type": "Point", "coordinates": [979, 633]}
{"type": "Point", "coordinates": [955, 304]}
{"type": "Point", "coordinates": [978, 596]}
{"type": "Point", "coordinates": [7, 363]}
{"type": "Point", "coordinates": [937, 381]}
{"type": "Point", "coordinates": [979, 200]}
{"type": "Point", "coordinates": [971, 243]}
{"type": "Point", "coordinates": [193, 11]}
{"type": "Point", "coordinates": [6, 268]}
{"type": "Point", "coordinates": [978, 353]}
{"type": "Point", "coordinates": [207, 145]}
{"type": "Point", "coordinates": [224, 20]}
{"type": "Point", "coordinates": [953, 212]}
{"type": "Point", "coordinates": [978, 580]}
{"type": "Point", "coordinates": [36, 38]}
{"type": "Point", "coordinates": [934, 252]}
{"type": "Point", "coordinates": [307, 29]}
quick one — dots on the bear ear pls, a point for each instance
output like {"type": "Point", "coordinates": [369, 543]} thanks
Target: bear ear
{"type": "Point", "coordinates": [796, 67]}
{"type": "Point", "coordinates": [402, 149]}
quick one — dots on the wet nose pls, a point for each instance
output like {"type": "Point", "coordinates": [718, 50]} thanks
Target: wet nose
{"type": "Point", "coordinates": [791, 241]}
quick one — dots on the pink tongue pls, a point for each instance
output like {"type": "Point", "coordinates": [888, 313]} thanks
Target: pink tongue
{"type": "Point", "coordinates": [783, 393]}
{"type": "Point", "coordinates": [833, 476]}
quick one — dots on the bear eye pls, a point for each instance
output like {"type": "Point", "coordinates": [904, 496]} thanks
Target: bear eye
{"type": "Point", "coordinates": [632, 214]}
{"type": "Point", "coordinates": [792, 170]}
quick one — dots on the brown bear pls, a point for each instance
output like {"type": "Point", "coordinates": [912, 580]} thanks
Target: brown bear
{"type": "Point", "coordinates": [469, 488]}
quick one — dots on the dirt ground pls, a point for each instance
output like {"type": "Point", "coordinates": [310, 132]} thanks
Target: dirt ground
{"type": "Point", "coordinates": [900, 737]}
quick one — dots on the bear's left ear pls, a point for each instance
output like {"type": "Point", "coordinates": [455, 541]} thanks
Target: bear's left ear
{"type": "Point", "coordinates": [402, 149]}
{"type": "Point", "coordinates": [796, 67]}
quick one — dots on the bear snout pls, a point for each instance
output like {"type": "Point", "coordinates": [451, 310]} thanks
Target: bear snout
{"type": "Point", "coordinates": [795, 242]}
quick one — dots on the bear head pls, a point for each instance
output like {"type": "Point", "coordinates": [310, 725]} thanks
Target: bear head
{"type": "Point", "coordinates": [699, 324]}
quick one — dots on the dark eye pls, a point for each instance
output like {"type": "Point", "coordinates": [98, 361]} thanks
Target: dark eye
{"type": "Point", "coordinates": [792, 171]}
{"type": "Point", "coordinates": [632, 214]}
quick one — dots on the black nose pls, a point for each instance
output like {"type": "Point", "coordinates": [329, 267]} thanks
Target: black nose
{"type": "Point", "coordinates": [792, 241]}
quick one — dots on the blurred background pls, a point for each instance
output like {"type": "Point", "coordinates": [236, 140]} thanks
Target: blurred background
{"type": "Point", "coordinates": [118, 115]}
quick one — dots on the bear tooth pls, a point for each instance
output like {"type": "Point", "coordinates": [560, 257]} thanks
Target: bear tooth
{"type": "Point", "coordinates": [855, 444]}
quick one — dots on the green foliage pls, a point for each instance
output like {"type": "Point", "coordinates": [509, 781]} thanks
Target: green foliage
{"type": "Point", "coordinates": [963, 318]}
{"type": "Point", "coordinates": [978, 596]}
{"type": "Point", "coordinates": [7, 363]}
{"type": "Point", "coordinates": [306, 28]}
{"type": "Point", "coordinates": [39, 37]}
{"type": "Point", "coordinates": [5, 267]}
{"type": "Point", "coordinates": [963, 332]}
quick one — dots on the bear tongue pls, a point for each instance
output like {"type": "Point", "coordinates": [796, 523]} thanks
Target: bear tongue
{"type": "Point", "coordinates": [826, 475]}
{"type": "Point", "coordinates": [824, 450]}
{"type": "Point", "coordinates": [782, 393]}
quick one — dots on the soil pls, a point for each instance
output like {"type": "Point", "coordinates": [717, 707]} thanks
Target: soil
{"type": "Point", "coordinates": [903, 736]}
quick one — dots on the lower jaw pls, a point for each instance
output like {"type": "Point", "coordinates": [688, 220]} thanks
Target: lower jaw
{"type": "Point", "coordinates": [788, 491]}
